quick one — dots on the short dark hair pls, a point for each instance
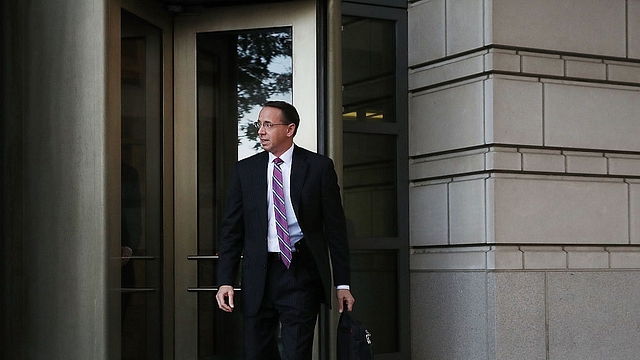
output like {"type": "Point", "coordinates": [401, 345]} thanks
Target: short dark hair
{"type": "Point", "coordinates": [289, 113]}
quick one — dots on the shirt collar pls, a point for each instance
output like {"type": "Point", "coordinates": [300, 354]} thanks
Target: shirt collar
{"type": "Point", "coordinates": [286, 156]}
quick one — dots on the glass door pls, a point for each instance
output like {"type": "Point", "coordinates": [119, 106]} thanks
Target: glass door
{"type": "Point", "coordinates": [229, 61]}
{"type": "Point", "coordinates": [141, 189]}
{"type": "Point", "coordinates": [375, 173]}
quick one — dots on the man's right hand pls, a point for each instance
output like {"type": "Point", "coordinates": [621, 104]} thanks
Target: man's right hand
{"type": "Point", "coordinates": [225, 292]}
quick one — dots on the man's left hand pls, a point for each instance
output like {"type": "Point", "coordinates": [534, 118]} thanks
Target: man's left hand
{"type": "Point", "coordinates": [345, 296]}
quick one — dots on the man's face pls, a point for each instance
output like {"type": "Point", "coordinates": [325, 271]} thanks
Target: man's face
{"type": "Point", "coordinates": [278, 138]}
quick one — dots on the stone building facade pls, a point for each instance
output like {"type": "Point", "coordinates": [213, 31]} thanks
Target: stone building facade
{"type": "Point", "coordinates": [525, 179]}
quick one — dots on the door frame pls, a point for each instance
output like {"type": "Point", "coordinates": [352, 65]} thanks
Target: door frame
{"type": "Point", "coordinates": [302, 17]}
{"type": "Point", "coordinates": [156, 15]}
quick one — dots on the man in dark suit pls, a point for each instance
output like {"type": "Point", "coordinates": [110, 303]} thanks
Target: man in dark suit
{"type": "Point", "coordinates": [286, 271]}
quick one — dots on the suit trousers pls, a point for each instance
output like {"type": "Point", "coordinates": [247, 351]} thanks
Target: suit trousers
{"type": "Point", "coordinates": [290, 307]}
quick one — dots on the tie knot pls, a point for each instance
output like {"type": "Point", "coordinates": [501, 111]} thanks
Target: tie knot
{"type": "Point", "coordinates": [278, 161]}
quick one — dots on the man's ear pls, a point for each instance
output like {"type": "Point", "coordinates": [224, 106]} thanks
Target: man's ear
{"type": "Point", "coordinates": [291, 129]}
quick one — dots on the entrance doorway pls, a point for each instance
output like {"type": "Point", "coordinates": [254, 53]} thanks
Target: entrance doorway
{"type": "Point", "coordinates": [218, 66]}
{"type": "Point", "coordinates": [237, 71]}
{"type": "Point", "coordinates": [229, 61]}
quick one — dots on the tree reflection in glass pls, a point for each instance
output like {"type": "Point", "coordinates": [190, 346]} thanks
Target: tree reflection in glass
{"type": "Point", "coordinates": [264, 65]}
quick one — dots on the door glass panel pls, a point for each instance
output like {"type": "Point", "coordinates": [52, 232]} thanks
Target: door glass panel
{"type": "Point", "coordinates": [375, 286]}
{"type": "Point", "coordinates": [237, 72]}
{"type": "Point", "coordinates": [370, 175]}
{"type": "Point", "coordinates": [141, 159]}
{"type": "Point", "coordinates": [370, 185]}
{"type": "Point", "coordinates": [368, 69]}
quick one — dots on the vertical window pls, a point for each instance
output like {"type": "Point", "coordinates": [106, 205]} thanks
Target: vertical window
{"type": "Point", "coordinates": [370, 185]}
{"type": "Point", "coordinates": [368, 70]}
{"type": "Point", "coordinates": [368, 98]}
{"type": "Point", "coordinates": [141, 184]}
{"type": "Point", "coordinates": [375, 169]}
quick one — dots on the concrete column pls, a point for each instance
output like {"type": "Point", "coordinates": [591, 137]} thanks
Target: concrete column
{"type": "Point", "coordinates": [55, 154]}
{"type": "Point", "coordinates": [524, 167]}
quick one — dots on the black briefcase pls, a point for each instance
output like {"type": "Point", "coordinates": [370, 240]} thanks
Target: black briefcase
{"type": "Point", "coordinates": [354, 340]}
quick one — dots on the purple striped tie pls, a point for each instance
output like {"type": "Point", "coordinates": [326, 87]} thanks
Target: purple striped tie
{"type": "Point", "coordinates": [282, 227]}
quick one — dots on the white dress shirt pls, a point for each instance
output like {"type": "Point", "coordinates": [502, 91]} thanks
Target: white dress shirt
{"type": "Point", "coordinates": [295, 233]}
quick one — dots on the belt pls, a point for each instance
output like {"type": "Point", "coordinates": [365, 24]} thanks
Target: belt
{"type": "Point", "coordinates": [294, 254]}
{"type": "Point", "coordinates": [277, 255]}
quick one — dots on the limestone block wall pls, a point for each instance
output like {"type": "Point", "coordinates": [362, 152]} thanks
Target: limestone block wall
{"type": "Point", "coordinates": [524, 164]}
{"type": "Point", "coordinates": [526, 315]}
{"type": "Point", "coordinates": [442, 28]}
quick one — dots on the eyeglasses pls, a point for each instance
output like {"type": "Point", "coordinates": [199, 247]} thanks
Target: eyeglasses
{"type": "Point", "coordinates": [267, 125]}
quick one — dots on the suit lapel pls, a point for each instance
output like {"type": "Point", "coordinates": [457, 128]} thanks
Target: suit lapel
{"type": "Point", "coordinates": [260, 174]}
{"type": "Point", "coordinates": [298, 176]}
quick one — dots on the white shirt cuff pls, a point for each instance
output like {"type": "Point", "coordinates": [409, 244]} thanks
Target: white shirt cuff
{"type": "Point", "coordinates": [342, 287]}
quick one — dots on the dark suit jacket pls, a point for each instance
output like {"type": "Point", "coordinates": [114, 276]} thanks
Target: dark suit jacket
{"type": "Point", "coordinates": [315, 196]}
